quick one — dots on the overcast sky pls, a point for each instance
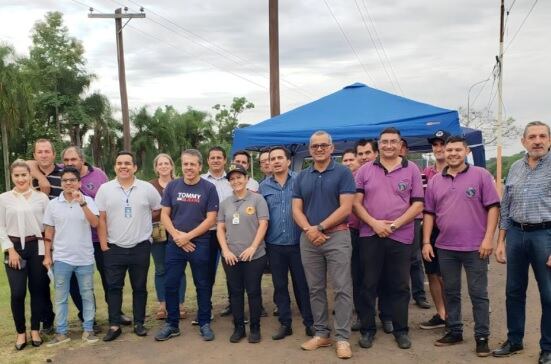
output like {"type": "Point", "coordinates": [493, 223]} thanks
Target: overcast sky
{"type": "Point", "coordinates": [202, 52]}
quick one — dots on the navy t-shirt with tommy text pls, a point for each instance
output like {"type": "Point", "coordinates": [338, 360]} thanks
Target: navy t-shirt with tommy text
{"type": "Point", "coordinates": [189, 204]}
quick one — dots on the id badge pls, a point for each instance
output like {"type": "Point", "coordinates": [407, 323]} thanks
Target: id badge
{"type": "Point", "coordinates": [128, 211]}
{"type": "Point", "coordinates": [235, 220]}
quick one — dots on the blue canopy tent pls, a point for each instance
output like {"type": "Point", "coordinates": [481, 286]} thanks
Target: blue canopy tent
{"type": "Point", "coordinates": [357, 111]}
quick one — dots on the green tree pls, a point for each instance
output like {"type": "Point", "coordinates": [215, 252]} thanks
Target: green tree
{"type": "Point", "coordinates": [226, 120]}
{"type": "Point", "coordinates": [506, 163]}
{"type": "Point", "coordinates": [15, 106]}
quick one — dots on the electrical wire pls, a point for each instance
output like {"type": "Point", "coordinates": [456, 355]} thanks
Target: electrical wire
{"type": "Point", "coordinates": [521, 25]}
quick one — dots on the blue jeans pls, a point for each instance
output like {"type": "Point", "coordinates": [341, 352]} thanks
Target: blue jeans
{"type": "Point", "coordinates": [476, 270]}
{"type": "Point", "coordinates": [523, 249]}
{"type": "Point", "coordinates": [284, 259]}
{"type": "Point", "coordinates": [62, 278]}
{"type": "Point", "coordinates": [158, 251]}
{"type": "Point", "coordinates": [175, 264]}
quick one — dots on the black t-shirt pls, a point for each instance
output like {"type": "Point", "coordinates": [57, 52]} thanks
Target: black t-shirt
{"type": "Point", "coordinates": [55, 182]}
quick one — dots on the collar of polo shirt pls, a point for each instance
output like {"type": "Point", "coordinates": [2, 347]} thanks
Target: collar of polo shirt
{"type": "Point", "coordinates": [445, 171]}
{"type": "Point", "coordinates": [329, 167]}
{"type": "Point", "coordinates": [377, 162]}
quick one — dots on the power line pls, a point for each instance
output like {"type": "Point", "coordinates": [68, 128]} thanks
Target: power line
{"type": "Point", "coordinates": [348, 41]}
{"type": "Point", "coordinates": [382, 47]}
{"type": "Point", "coordinates": [521, 25]}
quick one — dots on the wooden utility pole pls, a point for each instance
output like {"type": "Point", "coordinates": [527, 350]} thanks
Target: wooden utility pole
{"type": "Point", "coordinates": [500, 103]}
{"type": "Point", "coordinates": [118, 16]}
{"type": "Point", "coordinates": [274, 57]}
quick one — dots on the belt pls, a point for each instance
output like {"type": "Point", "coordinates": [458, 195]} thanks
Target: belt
{"type": "Point", "coordinates": [532, 227]}
{"type": "Point", "coordinates": [334, 229]}
{"type": "Point", "coordinates": [15, 239]}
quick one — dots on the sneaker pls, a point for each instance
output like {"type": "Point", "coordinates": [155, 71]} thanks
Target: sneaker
{"type": "Point", "coordinates": [422, 303]}
{"type": "Point", "coordinates": [343, 350]}
{"type": "Point", "coordinates": [206, 332]}
{"type": "Point", "coordinates": [315, 343]}
{"type": "Point", "coordinates": [366, 340]}
{"type": "Point", "coordinates": [58, 339]}
{"type": "Point", "coordinates": [482, 348]}
{"type": "Point", "coordinates": [508, 349]}
{"type": "Point", "coordinates": [449, 339]}
{"type": "Point", "coordinates": [434, 323]}
{"type": "Point", "coordinates": [403, 341]}
{"type": "Point", "coordinates": [195, 321]}
{"type": "Point", "coordinates": [89, 337]}
{"type": "Point", "coordinates": [254, 335]}
{"type": "Point", "coordinates": [167, 332]}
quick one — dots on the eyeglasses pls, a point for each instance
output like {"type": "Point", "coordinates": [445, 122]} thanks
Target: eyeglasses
{"type": "Point", "coordinates": [322, 146]}
{"type": "Point", "coordinates": [69, 180]}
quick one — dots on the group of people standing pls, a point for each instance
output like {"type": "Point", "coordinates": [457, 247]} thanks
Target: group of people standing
{"type": "Point", "coordinates": [363, 225]}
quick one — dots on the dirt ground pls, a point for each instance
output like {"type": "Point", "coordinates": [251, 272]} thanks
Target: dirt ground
{"type": "Point", "coordinates": [189, 348]}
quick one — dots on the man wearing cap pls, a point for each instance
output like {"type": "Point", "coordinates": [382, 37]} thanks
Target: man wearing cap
{"type": "Point", "coordinates": [389, 196]}
{"type": "Point", "coordinates": [322, 201]}
{"type": "Point", "coordinates": [526, 224]}
{"type": "Point", "coordinates": [432, 268]}
{"type": "Point", "coordinates": [189, 208]}
{"type": "Point", "coordinates": [283, 244]}
{"type": "Point", "coordinates": [460, 196]}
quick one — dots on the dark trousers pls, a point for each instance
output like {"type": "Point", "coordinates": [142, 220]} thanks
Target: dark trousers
{"type": "Point", "coordinates": [416, 271]}
{"type": "Point", "coordinates": [117, 261]}
{"type": "Point", "coordinates": [176, 260]}
{"type": "Point", "coordinates": [356, 269]}
{"type": "Point", "coordinates": [245, 276]}
{"type": "Point", "coordinates": [284, 259]}
{"type": "Point", "coordinates": [476, 270]}
{"type": "Point", "coordinates": [34, 274]}
{"type": "Point", "coordinates": [525, 248]}
{"type": "Point", "coordinates": [385, 262]}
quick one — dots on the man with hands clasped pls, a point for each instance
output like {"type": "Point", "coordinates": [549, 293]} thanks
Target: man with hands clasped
{"type": "Point", "coordinates": [68, 219]}
{"type": "Point", "coordinates": [464, 203]}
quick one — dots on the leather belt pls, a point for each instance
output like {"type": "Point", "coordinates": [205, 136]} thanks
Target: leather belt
{"type": "Point", "coordinates": [532, 227]}
{"type": "Point", "coordinates": [15, 239]}
{"type": "Point", "coordinates": [334, 229]}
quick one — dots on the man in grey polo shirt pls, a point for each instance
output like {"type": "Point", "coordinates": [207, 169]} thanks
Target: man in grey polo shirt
{"type": "Point", "coordinates": [125, 205]}
{"type": "Point", "coordinates": [322, 201]}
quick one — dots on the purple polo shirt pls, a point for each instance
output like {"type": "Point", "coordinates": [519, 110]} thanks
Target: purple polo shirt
{"type": "Point", "coordinates": [89, 186]}
{"type": "Point", "coordinates": [388, 194]}
{"type": "Point", "coordinates": [460, 205]}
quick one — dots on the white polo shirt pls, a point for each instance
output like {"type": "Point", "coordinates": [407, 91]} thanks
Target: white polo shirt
{"type": "Point", "coordinates": [128, 211]}
{"type": "Point", "coordinates": [72, 241]}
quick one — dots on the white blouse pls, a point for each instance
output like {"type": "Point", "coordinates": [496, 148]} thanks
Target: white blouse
{"type": "Point", "coordinates": [21, 217]}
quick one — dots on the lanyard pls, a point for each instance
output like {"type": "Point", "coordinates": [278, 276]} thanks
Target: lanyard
{"type": "Point", "coordinates": [127, 194]}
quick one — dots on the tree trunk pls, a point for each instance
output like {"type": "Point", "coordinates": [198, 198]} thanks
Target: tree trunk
{"type": "Point", "coordinates": [6, 154]}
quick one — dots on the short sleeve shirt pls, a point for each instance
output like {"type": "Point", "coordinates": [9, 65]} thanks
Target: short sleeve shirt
{"type": "Point", "coordinates": [241, 217]}
{"type": "Point", "coordinates": [55, 181]}
{"type": "Point", "coordinates": [128, 211]}
{"type": "Point", "coordinates": [320, 191]}
{"type": "Point", "coordinates": [388, 195]}
{"type": "Point", "coordinates": [72, 241]}
{"type": "Point", "coordinates": [460, 205]}
{"type": "Point", "coordinates": [91, 182]}
{"type": "Point", "coordinates": [189, 204]}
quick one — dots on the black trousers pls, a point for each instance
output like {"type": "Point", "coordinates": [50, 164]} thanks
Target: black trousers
{"type": "Point", "coordinates": [35, 275]}
{"type": "Point", "coordinates": [385, 262]}
{"type": "Point", "coordinates": [136, 261]}
{"type": "Point", "coordinates": [246, 276]}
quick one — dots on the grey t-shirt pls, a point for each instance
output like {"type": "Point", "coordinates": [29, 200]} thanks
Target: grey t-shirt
{"type": "Point", "coordinates": [241, 217]}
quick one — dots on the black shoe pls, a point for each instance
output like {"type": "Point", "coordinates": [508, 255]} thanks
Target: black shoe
{"type": "Point", "coordinates": [238, 334]}
{"type": "Point", "coordinates": [357, 325]}
{"type": "Point", "coordinates": [422, 303]}
{"type": "Point", "coordinates": [226, 311]}
{"type": "Point", "coordinates": [263, 312]}
{"type": "Point", "coordinates": [96, 328]}
{"type": "Point", "coordinates": [112, 334]}
{"type": "Point", "coordinates": [281, 332]}
{"type": "Point", "coordinates": [21, 346]}
{"type": "Point", "coordinates": [482, 348]}
{"type": "Point", "coordinates": [276, 311]}
{"type": "Point", "coordinates": [125, 320]}
{"type": "Point", "coordinates": [508, 349]}
{"type": "Point", "coordinates": [545, 357]}
{"type": "Point", "coordinates": [434, 323]}
{"type": "Point", "coordinates": [37, 343]}
{"type": "Point", "coordinates": [403, 341]}
{"type": "Point", "coordinates": [140, 330]}
{"type": "Point", "coordinates": [449, 339]}
{"type": "Point", "coordinates": [309, 331]}
{"type": "Point", "coordinates": [254, 336]}
{"type": "Point", "coordinates": [366, 340]}
{"type": "Point", "coordinates": [47, 330]}
{"type": "Point", "coordinates": [388, 327]}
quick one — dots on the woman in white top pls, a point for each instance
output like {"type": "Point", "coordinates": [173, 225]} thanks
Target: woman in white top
{"type": "Point", "coordinates": [21, 212]}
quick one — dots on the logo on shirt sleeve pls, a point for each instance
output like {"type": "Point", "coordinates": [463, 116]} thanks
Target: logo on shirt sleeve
{"type": "Point", "coordinates": [470, 192]}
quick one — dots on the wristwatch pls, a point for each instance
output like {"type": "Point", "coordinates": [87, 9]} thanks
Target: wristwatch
{"type": "Point", "coordinates": [320, 228]}
{"type": "Point", "coordinates": [84, 203]}
{"type": "Point", "coordinates": [393, 227]}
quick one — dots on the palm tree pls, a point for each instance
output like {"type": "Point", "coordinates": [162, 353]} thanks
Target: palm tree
{"type": "Point", "coordinates": [14, 102]}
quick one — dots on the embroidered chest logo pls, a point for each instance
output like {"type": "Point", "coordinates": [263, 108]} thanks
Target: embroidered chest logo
{"type": "Point", "coordinates": [250, 210]}
{"type": "Point", "coordinates": [90, 186]}
{"type": "Point", "coordinates": [402, 186]}
{"type": "Point", "coordinates": [470, 192]}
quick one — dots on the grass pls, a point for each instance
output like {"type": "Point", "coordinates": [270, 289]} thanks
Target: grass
{"type": "Point", "coordinates": [41, 354]}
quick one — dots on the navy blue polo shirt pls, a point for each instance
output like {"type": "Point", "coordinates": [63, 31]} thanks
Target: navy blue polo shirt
{"type": "Point", "coordinates": [320, 191]}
